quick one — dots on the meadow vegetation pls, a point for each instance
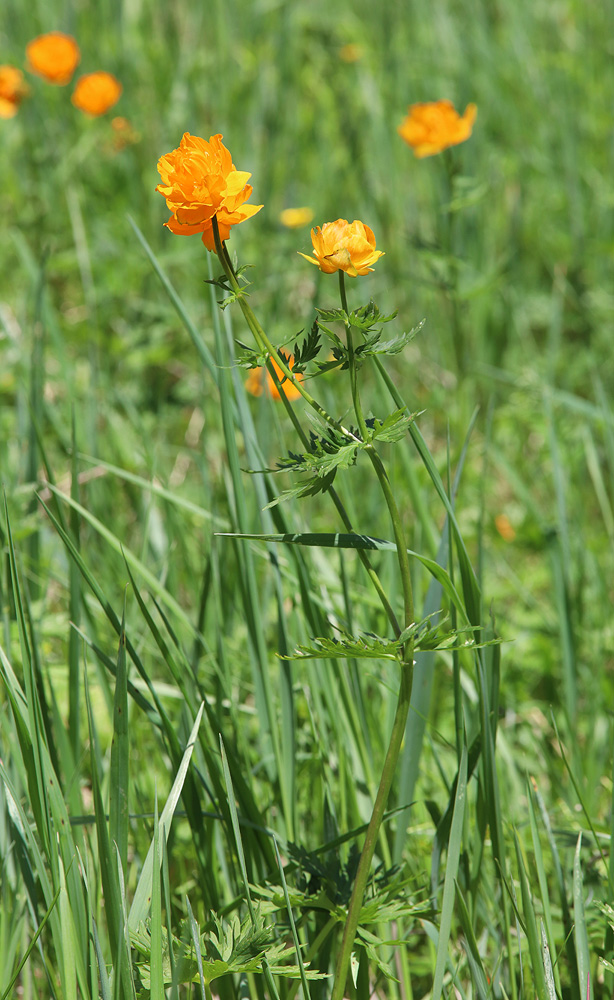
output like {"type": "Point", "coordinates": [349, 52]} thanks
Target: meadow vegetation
{"type": "Point", "coordinates": [194, 723]}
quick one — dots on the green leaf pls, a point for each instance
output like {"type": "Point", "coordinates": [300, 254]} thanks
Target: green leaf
{"type": "Point", "coordinates": [142, 896]}
{"type": "Point", "coordinates": [397, 344]}
{"type": "Point", "coordinates": [393, 427]}
{"type": "Point", "coordinates": [454, 850]}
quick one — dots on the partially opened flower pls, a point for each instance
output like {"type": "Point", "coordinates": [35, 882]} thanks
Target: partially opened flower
{"type": "Point", "coordinates": [200, 181]}
{"type": "Point", "coordinates": [259, 377]}
{"type": "Point", "coordinates": [431, 127]}
{"type": "Point", "coordinates": [344, 246]}
{"type": "Point", "coordinates": [54, 56]}
{"type": "Point", "coordinates": [12, 89]}
{"type": "Point", "coordinates": [95, 93]}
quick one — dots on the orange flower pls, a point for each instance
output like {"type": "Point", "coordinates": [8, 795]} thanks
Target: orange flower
{"type": "Point", "coordinates": [95, 93]}
{"type": "Point", "coordinates": [12, 89]}
{"type": "Point", "coordinates": [256, 381]}
{"type": "Point", "coordinates": [432, 127]}
{"type": "Point", "coordinates": [343, 246]}
{"type": "Point", "coordinates": [200, 181]}
{"type": "Point", "coordinates": [54, 56]}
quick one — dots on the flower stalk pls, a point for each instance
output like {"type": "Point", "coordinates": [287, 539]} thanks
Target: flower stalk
{"type": "Point", "coordinates": [405, 687]}
{"type": "Point", "coordinates": [264, 344]}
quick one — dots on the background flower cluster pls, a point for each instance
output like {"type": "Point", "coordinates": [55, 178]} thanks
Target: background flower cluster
{"type": "Point", "coordinates": [54, 58]}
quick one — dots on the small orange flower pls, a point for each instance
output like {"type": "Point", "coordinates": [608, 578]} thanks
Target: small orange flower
{"type": "Point", "coordinates": [95, 93]}
{"type": "Point", "coordinates": [12, 89]}
{"type": "Point", "coordinates": [432, 127]}
{"type": "Point", "coordinates": [200, 181]}
{"type": "Point", "coordinates": [259, 377]}
{"type": "Point", "coordinates": [343, 246]}
{"type": "Point", "coordinates": [54, 56]}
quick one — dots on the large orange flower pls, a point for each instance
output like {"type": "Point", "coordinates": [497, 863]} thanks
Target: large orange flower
{"type": "Point", "coordinates": [344, 246]}
{"type": "Point", "coordinates": [54, 56]}
{"type": "Point", "coordinates": [432, 127]}
{"type": "Point", "coordinates": [12, 89]}
{"type": "Point", "coordinates": [95, 93]}
{"type": "Point", "coordinates": [200, 181]}
{"type": "Point", "coordinates": [258, 377]}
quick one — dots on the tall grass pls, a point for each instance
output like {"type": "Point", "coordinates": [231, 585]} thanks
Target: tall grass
{"type": "Point", "coordinates": [181, 810]}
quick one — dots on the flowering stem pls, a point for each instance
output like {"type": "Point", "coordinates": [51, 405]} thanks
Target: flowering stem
{"type": "Point", "coordinates": [404, 697]}
{"type": "Point", "coordinates": [263, 343]}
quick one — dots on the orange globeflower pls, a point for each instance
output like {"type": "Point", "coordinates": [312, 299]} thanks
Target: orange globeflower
{"type": "Point", "coordinates": [200, 181]}
{"type": "Point", "coordinates": [343, 246]}
{"type": "Point", "coordinates": [95, 93]}
{"type": "Point", "coordinates": [432, 127]}
{"type": "Point", "coordinates": [54, 56]}
{"type": "Point", "coordinates": [12, 89]}
{"type": "Point", "coordinates": [258, 377]}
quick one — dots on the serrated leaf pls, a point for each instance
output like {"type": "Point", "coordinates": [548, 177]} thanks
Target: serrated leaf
{"type": "Point", "coordinates": [332, 315]}
{"type": "Point", "coordinates": [396, 345]}
{"type": "Point", "coordinates": [393, 427]}
{"type": "Point", "coordinates": [308, 350]}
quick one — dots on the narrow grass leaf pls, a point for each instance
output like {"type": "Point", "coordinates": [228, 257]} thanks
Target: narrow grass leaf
{"type": "Point", "coordinates": [120, 756]}
{"type": "Point", "coordinates": [195, 932]}
{"type": "Point", "coordinates": [547, 928]}
{"type": "Point", "coordinates": [156, 970]}
{"type": "Point", "coordinates": [39, 930]}
{"type": "Point", "coordinates": [580, 932]}
{"type": "Point", "coordinates": [454, 850]}
{"type": "Point", "coordinates": [297, 945]}
{"type": "Point", "coordinates": [476, 966]}
{"type": "Point", "coordinates": [550, 983]}
{"type": "Point", "coordinates": [530, 927]}
{"type": "Point", "coordinates": [142, 896]}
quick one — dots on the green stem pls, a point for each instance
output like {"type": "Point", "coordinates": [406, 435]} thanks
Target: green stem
{"type": "Point", "coordinates": [352, 360]}
{"type": "Point", "coordinates": [404, 697]}
{"type": "Point", "coordinates": [263, 343]}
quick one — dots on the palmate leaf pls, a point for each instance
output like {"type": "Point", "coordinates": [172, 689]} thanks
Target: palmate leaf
{"type": "Point", "coordinates": [394, 346]}
{"type": "Point", "coordinates": [328, 452]}
{"type": "Point", "coordinates": [426, 636]}
{"type": "Point", "coordinates": [393, 427]}
{"type": "Point", "coordinates": [364, 318]}
{"type": "Point", "coordinates": [230, 948]}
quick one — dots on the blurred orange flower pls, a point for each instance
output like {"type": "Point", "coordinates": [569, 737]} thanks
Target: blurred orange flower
{"type": "Point", "coordinates": [95, 93]}
{"type": "Point", "coordinates": [344, 246]}
{"type": "Point", "coordinates": [259, 377]}
{"type": "Point", "coordinates": [351, 52]}
{"type": "Point", "coordinates": [432, 127]}
{"type": "Point", "coordinates": [124, 133]}
{"type": "Point", "coordinates": [293, 218]}
{"type": "Point", "coordinates": [54, 56]}
{"type": "Point", "coordinates": [12, 89]}
{"type": "Point", "coordinates": [504, 527]}
{"type": "Point", "coordinates": [200, 181]}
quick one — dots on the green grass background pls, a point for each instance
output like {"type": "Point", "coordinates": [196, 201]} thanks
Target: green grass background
{"type": "Point", "coordinates": [112, 393]}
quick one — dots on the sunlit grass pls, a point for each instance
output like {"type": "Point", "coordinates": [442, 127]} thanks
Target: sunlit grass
{"type": "Point", "coordinates": [125, 436]}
